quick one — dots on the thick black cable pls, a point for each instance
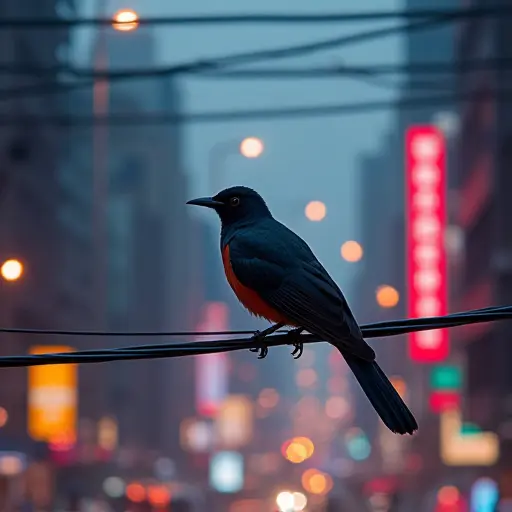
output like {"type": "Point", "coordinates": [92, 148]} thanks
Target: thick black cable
{"type": "Point", "coordinates": [156, 351]}
{"type": "Point", "coordinates": [216, 19]}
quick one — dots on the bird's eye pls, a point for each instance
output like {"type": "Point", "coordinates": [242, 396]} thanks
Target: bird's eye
{"type": "Point", "coordinates": [234, 201]}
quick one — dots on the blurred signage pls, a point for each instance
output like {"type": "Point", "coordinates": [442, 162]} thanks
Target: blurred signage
{"type": "Point", "coordinates": [477, 449]}
{"type": "Point", "coordinates": [227, 472]}
{"type": "Point", "coordinates": [440, 401]}
{"type": "Point", "coordinates": [212, 369]}
{"type": "Point", "coordinates": [425, 213]}
{"type": "Point", "coordinates": [446, 377]}
{"type": "Point", "coordinates": [52, 398]}
{"type": "Point", "coordinates": [234, 422]}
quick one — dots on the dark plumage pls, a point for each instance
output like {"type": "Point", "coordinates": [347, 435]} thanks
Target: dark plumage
{"type": "Point", "coordinates": [275, 274]}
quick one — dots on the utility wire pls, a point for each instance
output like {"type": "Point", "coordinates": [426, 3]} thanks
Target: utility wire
{"type": "Point", "coordinates": [155, 351]}
{"type": "Point", "coordinates": [226, 61]}
{"type": "Point", "coordinates": [223, 19]}
{"type": "Point", "coordinates": [413, 102]}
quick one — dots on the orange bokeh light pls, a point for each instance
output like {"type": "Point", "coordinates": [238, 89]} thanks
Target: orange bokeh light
{"type": "Point", "coordinates": [315, 211]}
{"type": "Point", "coordinates": [298, 449]}
{"type": "Point", "coordinates": [136, 493]}
{"type": "Point", "coordinates": [351, 251]}
{"type": "Point", "coordinates": [387, 296]}
{"type": "Point", "coordinates": [316, 482]}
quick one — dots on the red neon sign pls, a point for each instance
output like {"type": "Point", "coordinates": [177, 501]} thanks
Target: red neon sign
{"type": "Point", "coordinates": [425, 213]}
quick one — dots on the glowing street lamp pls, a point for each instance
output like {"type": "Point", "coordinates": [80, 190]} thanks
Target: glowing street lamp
{"type": "Point", "coordinates": [251, 147]}
{"type": "Point", "coordinates": [125, 20]}
{"type": "Point", "coordinates": [11, 270]}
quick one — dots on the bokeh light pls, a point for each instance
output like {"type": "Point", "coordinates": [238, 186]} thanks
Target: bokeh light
{"type": "Point", "coordinates": [251, 147]}
{"type": "Point", "coordinates": [136, 493]}
{"type": "Point", "coordinates": [316, 211]}
{"type": "Point", "coordinates": [337, 407]}
{"type": "Point", "coordinates": [387, 296]}
{"type": "Point", "coordinates": [448, 495]}
{"type": "Point", "coordinates": [11, 270]}
{"type": "Point", "coordinates": [285, 501]}
{"type": "Point", "coordinates": [268, 398]}
{"type": "Point", "coordinates": [351, 251]}
{"type": "Point", "coordinates": [316, 482]}
{"type": "Point", "coordinates": [298, 449]}
{"type": "Point", "coordinates": [4, 416]}
{"type": "Point", "coordinates": [125, 20]}
{"type": "Point", "coordinates": [306, 378]}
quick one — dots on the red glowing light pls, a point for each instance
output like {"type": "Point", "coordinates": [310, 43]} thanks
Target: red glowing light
{"type": "Point", "coordinates": [425, 215]}
{"type": "Point", "coordinates": [441, 401]}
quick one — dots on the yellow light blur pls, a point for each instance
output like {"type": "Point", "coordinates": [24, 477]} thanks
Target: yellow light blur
{"type": "Point", "coordinates": [482, 449]}
{"type": "Point", "coordinates": [4, 416]}
{"type": "Point", "coordinates": [125, 20]}
{"type": "Point", "coordinates": [52, 397]}
{"type": "Point", "coordinates": [315, 211]}
{"type": "Point", "coordinates": [316, 482]}
{"type": "Point", "coordinates": [306, 377]}
{"type": "Point", "coordinates": [284, 501]}
{"type": "Point", "coordinates": [298, 449]}
{"type": "Point", "coordinates": [268, 398]}
{"type": "Point", "coordinates": [387, 296]}
{"type": "Point", "coordinates": [11, 270]}
{"type": "Point", "coordinates": [336, 407]}
{"type": "Point", "coordinates": [107, 433]}
{"type": "Point", "coordinates": [251, 147]}
{"type": "Point", "coordinates": [351, 251]}
{"type": "Point", "coordinates": [448, 495]}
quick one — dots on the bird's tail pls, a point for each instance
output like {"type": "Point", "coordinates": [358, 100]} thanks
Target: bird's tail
{"type": "Point", "coordinates": [382, 395]}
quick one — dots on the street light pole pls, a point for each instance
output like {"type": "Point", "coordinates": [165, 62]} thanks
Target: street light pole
{"type": "Point", "coordinates": [100, 173]}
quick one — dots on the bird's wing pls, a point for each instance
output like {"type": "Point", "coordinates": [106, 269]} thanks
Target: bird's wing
{"type": "Point", "coordinates": [303, 293]}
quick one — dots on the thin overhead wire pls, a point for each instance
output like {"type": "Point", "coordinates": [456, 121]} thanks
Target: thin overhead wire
{"type": "Point", "coordinates": [223, 62]}
{"type": "Point", "coordinates": [263, 18]}
{"type": "Point", "coordinates": [157, 351]}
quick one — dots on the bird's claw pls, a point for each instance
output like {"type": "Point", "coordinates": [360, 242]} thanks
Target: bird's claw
{"type": "Point", "coordinates": [297, 350]}
{"type": "Point", "coordinates": [263, 349]}
{"type": "Point", "coordinates": [298, 347]}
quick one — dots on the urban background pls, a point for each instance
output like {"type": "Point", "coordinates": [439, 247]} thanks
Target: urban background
{"type": "Point", "coordinates": [402, 192]}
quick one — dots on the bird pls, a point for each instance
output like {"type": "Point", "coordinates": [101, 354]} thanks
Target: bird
{"type": "Point", "coordinates": [276, 276]}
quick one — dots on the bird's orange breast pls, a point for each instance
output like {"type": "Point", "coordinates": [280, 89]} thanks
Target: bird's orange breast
{"type": "Point", "coordinates": [249, 298]}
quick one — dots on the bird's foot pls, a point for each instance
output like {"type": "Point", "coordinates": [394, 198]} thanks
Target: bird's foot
{"type": "Point", "coordinates": [262, 350]}
{"type": "Point", "coordinates": [298, 347]}
{"type": "Point", "coordinates": [259, 336]}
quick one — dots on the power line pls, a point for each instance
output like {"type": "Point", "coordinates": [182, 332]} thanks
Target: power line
{"type": "Point", "coordinates": [256, 114]}
{"type": "Point", "coordinates": [226, 61]}
{"type": "Point", "coordinates": [222, 19]}
{"type": "Point", "coordinates": [155, 351]}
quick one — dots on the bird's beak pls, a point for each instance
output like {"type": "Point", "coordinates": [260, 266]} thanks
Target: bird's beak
{"type": "Point", "coordinates": [207, 202]}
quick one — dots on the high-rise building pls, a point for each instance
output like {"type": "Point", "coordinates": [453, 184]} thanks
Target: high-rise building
{"type": "Point", "coordinates": [29, 229]}
{"type": "Point", "coordinates": [483, 188]}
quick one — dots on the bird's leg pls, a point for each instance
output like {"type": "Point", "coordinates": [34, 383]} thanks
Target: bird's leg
{"type": "Point", "coordinates": [298, 346]}
{"type": "Point", "coordinates": [260, 336]}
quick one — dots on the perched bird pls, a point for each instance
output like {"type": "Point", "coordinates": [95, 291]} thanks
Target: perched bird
{"type": "Point", "coordinates": [276, 276]}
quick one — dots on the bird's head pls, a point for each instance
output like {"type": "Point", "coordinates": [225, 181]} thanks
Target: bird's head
{"type": "Point", "coordinates": [235, 204]}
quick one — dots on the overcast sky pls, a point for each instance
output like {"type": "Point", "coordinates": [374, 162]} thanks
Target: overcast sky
{"type": "Point", "coordinates": [305, 159]}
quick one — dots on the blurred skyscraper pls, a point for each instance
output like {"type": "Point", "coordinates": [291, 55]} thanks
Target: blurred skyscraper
{"type": "Point", "coordinates": [29, 192]}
